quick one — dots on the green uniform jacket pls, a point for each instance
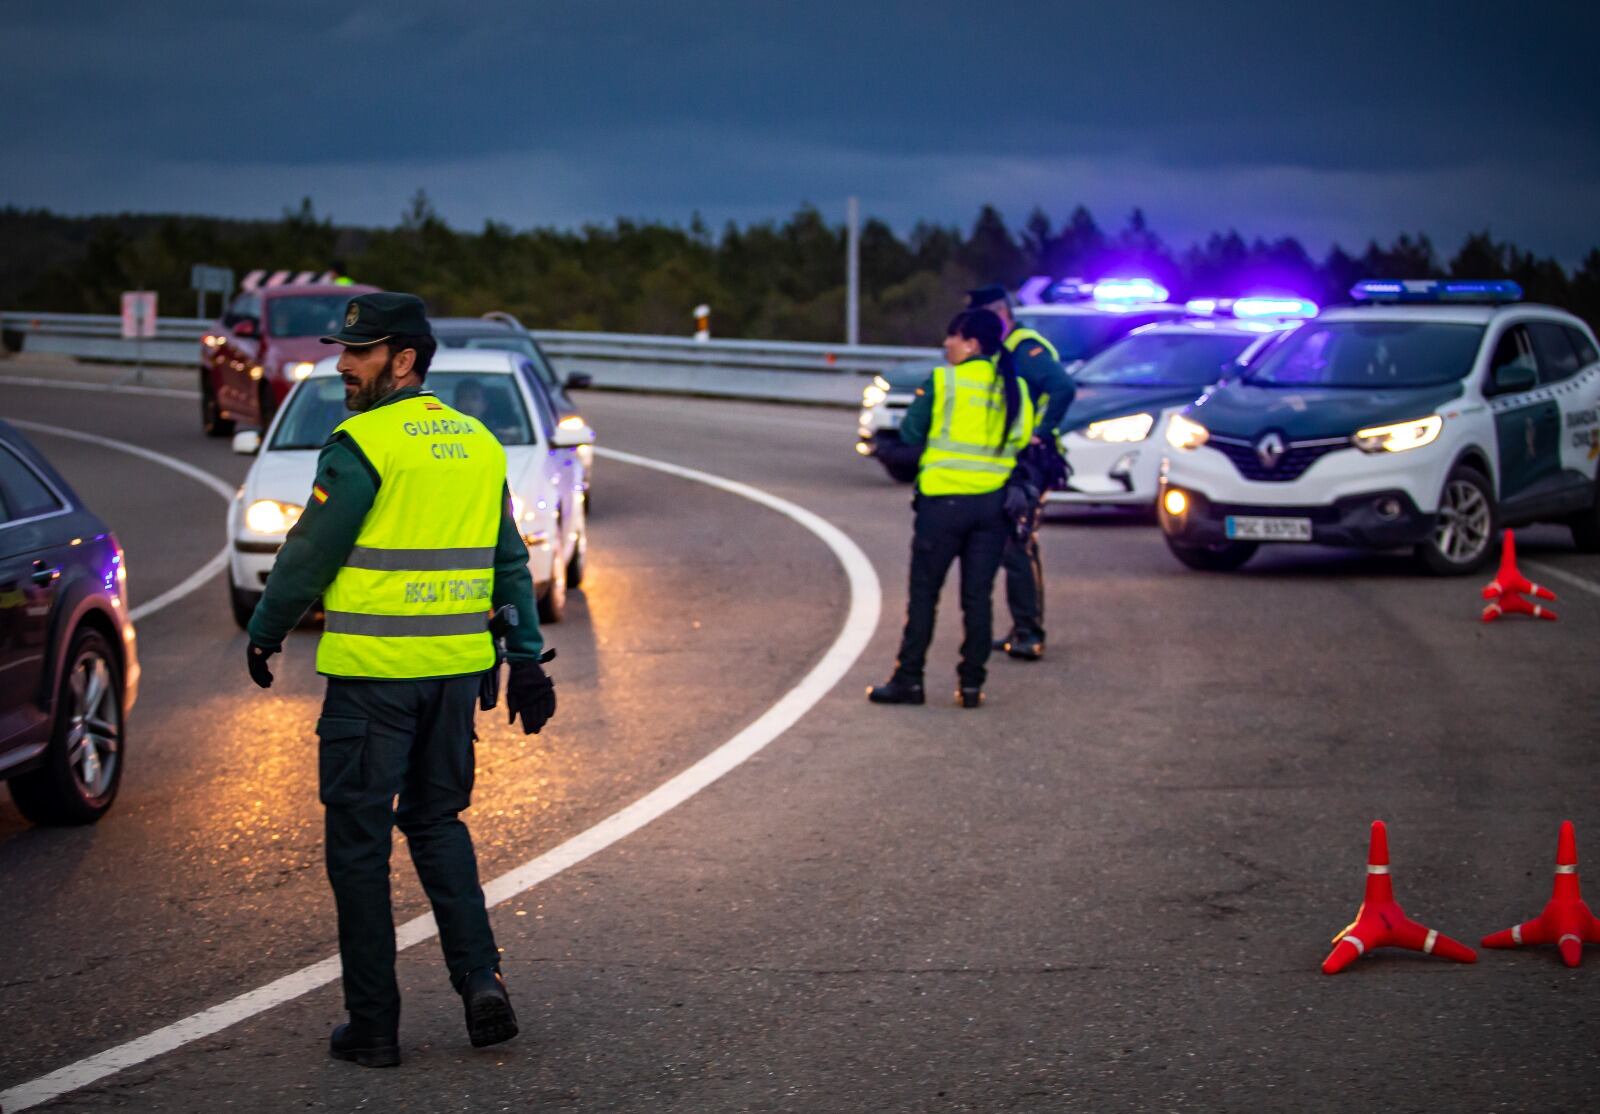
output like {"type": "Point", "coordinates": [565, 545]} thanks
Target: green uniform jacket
{"type": "Point", "coordinates": [317, 546]}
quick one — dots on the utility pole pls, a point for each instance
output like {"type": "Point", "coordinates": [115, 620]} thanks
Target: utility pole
{"type": "Point", "coordinates": [852, 298]}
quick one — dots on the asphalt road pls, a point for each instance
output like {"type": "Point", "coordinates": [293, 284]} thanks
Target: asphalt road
{"type": "Point", "coordinates": [1110, 889]}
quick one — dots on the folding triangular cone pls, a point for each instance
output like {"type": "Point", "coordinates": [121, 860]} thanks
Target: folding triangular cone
{"type": "Point", "coordinates": [1515, 605]}
{"type": "Point", "coordinates": [1509, 579]}
{"type": "Point", "coordinates": [1380, 922]}
{"type": "Point", "coordinates": [1566, 920]}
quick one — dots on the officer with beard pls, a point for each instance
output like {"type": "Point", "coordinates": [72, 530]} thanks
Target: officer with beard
{"type": "Point", "coordinates": [407, 537]}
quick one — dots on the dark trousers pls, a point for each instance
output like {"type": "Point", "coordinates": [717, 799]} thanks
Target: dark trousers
{"type": "Point", "coordinates": [1025, 582]}
{"type": "Point", "coordinates": [413, 740]}
{"type": "Point", "coordinates": [973, 529]}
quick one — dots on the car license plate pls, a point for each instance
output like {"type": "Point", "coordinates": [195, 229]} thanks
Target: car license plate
{"type": "Point", "coordinates": [1252, 529]}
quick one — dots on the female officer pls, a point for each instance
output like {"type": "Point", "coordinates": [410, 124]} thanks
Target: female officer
{"type": "Point", "coordinates": [971, 419]}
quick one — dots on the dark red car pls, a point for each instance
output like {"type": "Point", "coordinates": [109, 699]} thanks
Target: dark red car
{"type": "Point", "coordinates": [266, 341]}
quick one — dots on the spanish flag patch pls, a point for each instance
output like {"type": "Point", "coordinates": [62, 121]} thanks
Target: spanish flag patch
{"type": "Point", "coordinates": [318, 493]}
{"type": "Point", "coordinates": [433, 405]}
{"type": "Point", "coordinates": [1035, 350]}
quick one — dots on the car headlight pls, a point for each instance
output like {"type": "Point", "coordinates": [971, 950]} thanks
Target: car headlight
{"type": "Point", "coordinates": [1185, 434]}
{"type": "Point", "coordinates": [1133, 427]}
{"type": "Point", "coordinates": [298, 370]}
{"type": "Point", "coordinates": [1399, 437]}
{"type": "Point", "coordinates": [517, 506]}
{"type": "Point", "coordinates": [875, 392]}
{"type": "Point", "coordinates": [268, 516]}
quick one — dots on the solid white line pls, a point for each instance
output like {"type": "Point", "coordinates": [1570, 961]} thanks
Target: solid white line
{"type": "Point", "coordinates": [206, 571]}
{"type": "Point", "coordinates": [866, 599]}
{"type": "Point", "coordinates": [118, 388]}
{"type": "Point", "coordinates": [1571, 578]}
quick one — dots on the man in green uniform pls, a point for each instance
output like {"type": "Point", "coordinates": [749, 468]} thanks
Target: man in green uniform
{"type": "Point", "coordinates": [1036, 363]}
{"type": "Point", "coordinates": [408, 538]}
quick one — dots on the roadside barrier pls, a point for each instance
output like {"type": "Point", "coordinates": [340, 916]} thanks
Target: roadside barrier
{"type": "Point", "coordinates": [1507, 591]}
{"type": "Point", "coordinates": [1566, 921]}
{"type": "Point", "coordinates": [1380, 922]}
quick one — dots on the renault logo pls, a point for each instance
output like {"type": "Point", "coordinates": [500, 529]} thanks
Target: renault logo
{"type": "Point", "coordinates": [1269, 450]}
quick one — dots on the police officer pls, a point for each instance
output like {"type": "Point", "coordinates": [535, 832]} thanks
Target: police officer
{"type": "Point", "coordinates": [1036, 362]}
{"type": "Point", "coordinates": [409, 548]}
{"type": "Point", "coordinates": [971, 418]}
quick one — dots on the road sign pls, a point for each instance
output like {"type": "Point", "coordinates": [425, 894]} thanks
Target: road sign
{"type": "Point", "coordinates": [138, 313]}
{"type": "Point", "coordinates": [205, 279]}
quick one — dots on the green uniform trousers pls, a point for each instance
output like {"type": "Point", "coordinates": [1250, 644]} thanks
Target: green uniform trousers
{"type": "Point", "coordinates": [380, 740]}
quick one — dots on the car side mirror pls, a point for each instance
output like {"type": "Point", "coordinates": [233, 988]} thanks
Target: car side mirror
{"type": "Point", "coordinates": [246, 327]}
{"type": "Point", "coordinates": [1512, 378]}
{"type": "Point", "coordinates": [571, 437]}
{"type": "Point", "coordinates": [578, 380]}
{"type": "Point", "coordinates": [247, 442]}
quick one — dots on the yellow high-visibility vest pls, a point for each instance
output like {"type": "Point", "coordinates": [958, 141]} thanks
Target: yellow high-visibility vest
{"type": "Point", "coordinates": [1016, 336]}
{"type": "Point", "coordinates": [967, 452]}
{"type": "Point", "coordinates": [413, 598]}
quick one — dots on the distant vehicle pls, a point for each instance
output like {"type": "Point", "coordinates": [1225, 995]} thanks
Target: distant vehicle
{"type": "Point", "coordinates": [503, 332]}
{"type": "Point", "coordinates": [1116, 430]}
{"type": "Point", "coordinates": [68, 658]}
{"type": "Point", "coordinates": [1088, 318]}
{"type": "Point", "coordinates": [545, 473]}
{"type": "Point", "coordinates": [266, 342]}
{"type": "Point", "coordinates": [1429, 416]}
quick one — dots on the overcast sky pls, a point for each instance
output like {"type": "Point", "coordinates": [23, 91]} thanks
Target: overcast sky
{"type": "Point", "coordinates": [1334, 122]}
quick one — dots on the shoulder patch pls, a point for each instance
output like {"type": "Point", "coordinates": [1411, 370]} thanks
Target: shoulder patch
{"type": "Point", "coordinates": [1035, 350]}
{"type": "Point", "coordinates": [318, 493]}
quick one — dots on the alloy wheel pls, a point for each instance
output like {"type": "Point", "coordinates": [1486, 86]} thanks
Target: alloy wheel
{"type": "Point", "coordinates": [94, 730]}
{"type": "Point", "coordinates": [1464, 522]}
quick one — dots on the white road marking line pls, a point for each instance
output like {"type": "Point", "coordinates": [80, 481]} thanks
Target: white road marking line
{"type": "Point", "coordinates": [206, 571]}
{"type": "Point", "coordinates": [1581, 582]}
{"type": "Point", "coordinates": [81, 385]}
{"type": "Point", "coordinates": [861, 620]}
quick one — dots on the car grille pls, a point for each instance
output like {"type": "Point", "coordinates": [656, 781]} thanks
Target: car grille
{"type": "Point", "coordinates": [1296, 458]}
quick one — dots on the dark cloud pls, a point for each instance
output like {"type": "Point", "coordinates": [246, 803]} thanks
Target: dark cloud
{"type": "Point", "coordinates": [1386, 114]}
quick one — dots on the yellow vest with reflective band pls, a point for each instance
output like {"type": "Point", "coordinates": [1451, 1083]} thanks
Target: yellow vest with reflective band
{"type": "Point", "coordinates": [1013, 341]}
{"type": "Point", "coordinates": [413, 597]}
{"type": "Point", "coordinates": [964, 454]}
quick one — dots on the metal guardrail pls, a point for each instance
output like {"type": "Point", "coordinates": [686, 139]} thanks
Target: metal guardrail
{"type": "Point", "coordinates": [757, 369]}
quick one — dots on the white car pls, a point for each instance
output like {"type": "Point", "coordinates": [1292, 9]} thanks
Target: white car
{"type": "Point", "coordinates": [544, 471]}
{"type": "Point", "coordinates": [1115, 432]}
{"type": "Point", "coordinates": [1429, 417]}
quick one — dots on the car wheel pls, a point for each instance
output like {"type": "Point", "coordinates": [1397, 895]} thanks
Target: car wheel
{"type": "Point", "coordinates": [83, 764]}
{"type": "Point", "coordinates": [1464, 530]}
{"type": "Point", "coordinates": [580, 559]}
{"type": "Point", "coordinates": [1221, 557]}
{"type": "Point", "coordinates": [211, 419]}
{"type": "Point", "coordinates": [1586, 526]}
{"type": "Point", "coordinates": [243, 603]}
{"type": "Point", "coordinates": [553, 604]}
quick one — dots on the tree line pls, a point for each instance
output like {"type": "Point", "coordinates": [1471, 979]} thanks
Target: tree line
{"type": "Point", "coordinates": [771, 280]}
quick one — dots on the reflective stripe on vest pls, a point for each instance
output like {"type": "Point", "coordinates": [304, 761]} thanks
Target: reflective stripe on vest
{"type": "Point", "coordinates": [413, 598]}
{"type": "Point", "coordinates": [964, 454]}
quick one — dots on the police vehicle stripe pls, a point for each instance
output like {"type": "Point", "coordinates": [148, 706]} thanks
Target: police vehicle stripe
{"type": "Point", "coordinates": [404, 626]}
{"type": "Point", "coordinates": [420, 560]}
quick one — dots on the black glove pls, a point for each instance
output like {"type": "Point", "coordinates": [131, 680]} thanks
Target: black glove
{"type": "Point", "coordinates": [256, 659]}
{"type": "Point", "coordinates": [530, 694]}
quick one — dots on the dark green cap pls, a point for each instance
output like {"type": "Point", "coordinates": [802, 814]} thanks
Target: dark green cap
{"type": "Point", "coordinates": [370, 318]}
{"type": "Point", "coordinates": [987, 296]}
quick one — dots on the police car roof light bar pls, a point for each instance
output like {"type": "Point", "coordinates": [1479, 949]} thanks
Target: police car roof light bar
{"type": "Point", "coordinates": [1124, 290]}
{"type": "Point", "coordinates": [1494, 291]}
{"type": "Point", "coordinates": [1268, 305]}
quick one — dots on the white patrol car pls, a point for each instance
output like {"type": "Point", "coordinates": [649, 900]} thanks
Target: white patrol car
{"type": "Point", "coordinates": [1084, 320]}
{"type": "Point", "coordinates": [1115, 433]}
{"type": "Point", "coordinates": [544, 471]}
{"type": "Point", "coordinates": [1416, 419]}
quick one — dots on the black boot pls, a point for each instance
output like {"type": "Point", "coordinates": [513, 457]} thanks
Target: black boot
{"type": "Point", "coordinates": [969, 696]}
{"type": "Point", "coordinates": [1024, 649]}
{"type": "Point", "coordinates": [490, 1019]}
{"type": "Point", "coordinates": [359, 1046]}
{"type": "Point", "coordinates": [896, 691]}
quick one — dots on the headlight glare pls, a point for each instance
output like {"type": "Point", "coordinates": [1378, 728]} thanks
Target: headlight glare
{"type": "Point", "coordinates": [1133, 427]}
{"type": "Point", "coordinates": [873, 395]}
{"type": "Point", "coordinates": [1185, 434]}
{"type": "Point", "coordinates": [270, 517]}
{"type": "Point", "coordinates": [299, 370]}
{"type": "Point", "coordinates": [1400, 436]}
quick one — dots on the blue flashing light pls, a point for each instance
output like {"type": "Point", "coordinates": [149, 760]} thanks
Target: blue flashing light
{"type": "Point", "coordinates": [1068, 290]}
{"type": "Point", "coordinates": [1121, 291]}
{"type": "Point", "coordinates": [1258, 306]}
{"type": "Point", "coordinates": [1204, 307]}
{"type": "Point", "coordinates": [1436, 290]}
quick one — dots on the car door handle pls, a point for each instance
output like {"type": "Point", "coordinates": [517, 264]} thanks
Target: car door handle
{"type": "Point", "coordinates": [45, 574]}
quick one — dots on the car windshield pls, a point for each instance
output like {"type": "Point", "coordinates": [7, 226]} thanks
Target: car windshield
{"type": "Point", "coordinates": [306, 315]}
{"type": "Point", "coordinates": [1370, 355]}
{"type": "Point", "coordinates": [1079, 336]}
{"type": "Point", "coordinates": [318, 406]}
{"type": "Point", "coordinates": [1165, 360]}
{"type": "Point", "coordinates": [502, 342]}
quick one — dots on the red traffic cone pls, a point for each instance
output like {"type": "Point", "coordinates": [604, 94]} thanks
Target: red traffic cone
{"type": "Point", "coordinates": [1515, 605]}
{"type": "Point", "coordinates": [1509, 580]}
{"type": "Point", "coordinates": [1566, 921]}
{"type": "Point", "coordinates": [1380, 922]}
